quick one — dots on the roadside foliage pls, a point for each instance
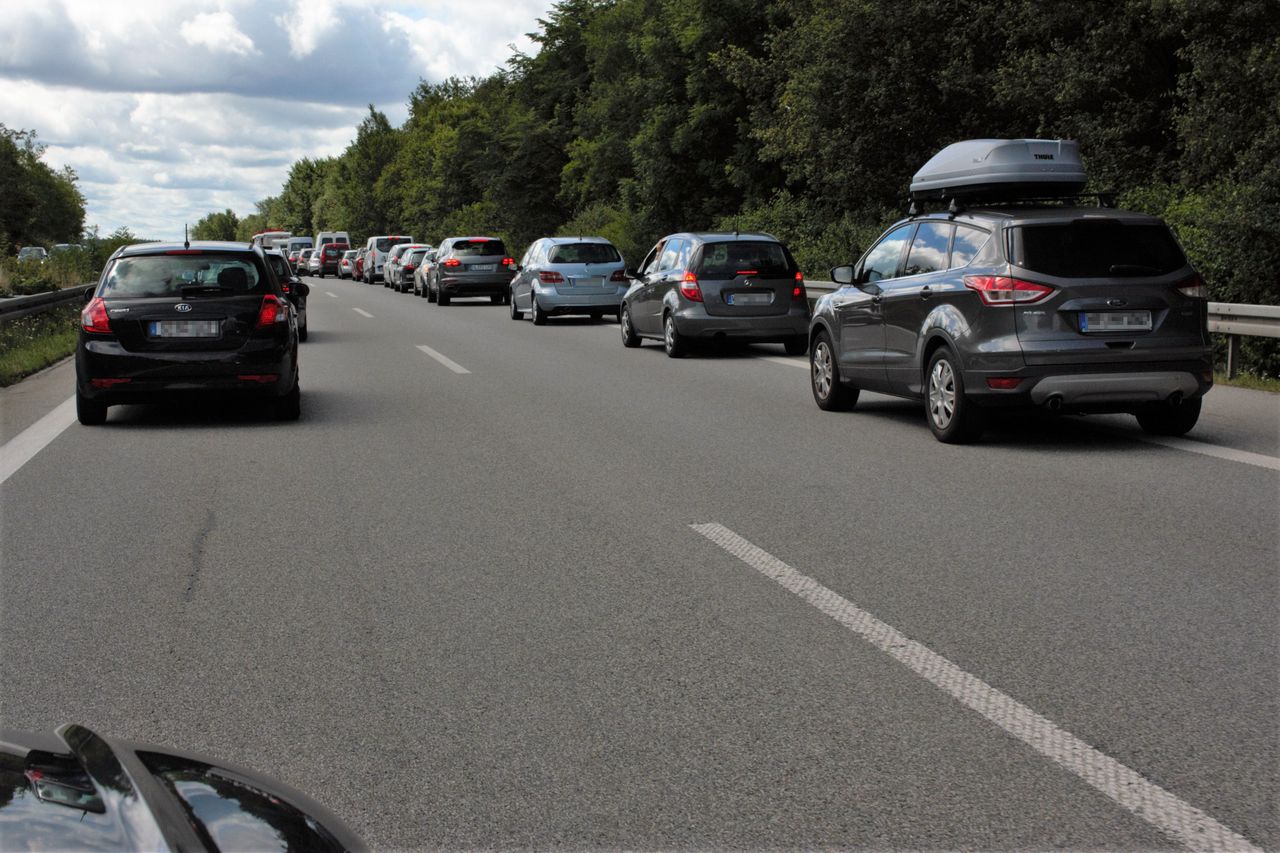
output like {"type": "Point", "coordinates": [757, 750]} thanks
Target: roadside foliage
{"type": "Point", "coordinates": [807, 118]}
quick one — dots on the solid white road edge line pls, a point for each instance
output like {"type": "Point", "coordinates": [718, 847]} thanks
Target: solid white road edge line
{"type": "Point", "coordinates": [444, 359]}
{"type": "Point", "coordinates": [1179, 820]}
{"type": "Point", "coordinates": [362, 313]}
{"type": "Point", "coordinates": [1244, 456]}
{"type": "Point", "coordinates": [21, 448]}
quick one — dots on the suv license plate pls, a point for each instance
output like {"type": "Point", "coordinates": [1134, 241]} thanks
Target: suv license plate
{"type": "Point", "coordinates": [1115, 321]}
{"type": "Point", "coordinates": [483, 267]}
{"type": "Point", "coordinates": [185, 328]}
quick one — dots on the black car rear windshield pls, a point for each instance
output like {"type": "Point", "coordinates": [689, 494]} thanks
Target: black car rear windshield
{"type": "Point", "coordinates": [182, 275]}
{"type": "Point", "coordinates": [584, 253]}
{"type": "Point", "coordinates": [474, 248]}
{"type": "Point", "coordinates": [1096, 249]}
{"type": "Point", "coordinates": [741, 257]}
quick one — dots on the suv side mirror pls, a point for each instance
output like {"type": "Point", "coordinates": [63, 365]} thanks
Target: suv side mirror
{"type": "Point", "coordinates": [843, 274]}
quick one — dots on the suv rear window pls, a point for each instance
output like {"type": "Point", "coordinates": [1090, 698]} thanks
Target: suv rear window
{"type": "Point", "coordinates": [728, 260]}
{"type": "Point", "coordinates": [473, 248]}
{"type": "Point", "coordinates": [583, 253]}
{"type": "Point", "coordinates": [1096, 249]}
{"type": "Point", "coordinates": [384, 244]}
{"type": "Point", "coordinates": [171, 275]}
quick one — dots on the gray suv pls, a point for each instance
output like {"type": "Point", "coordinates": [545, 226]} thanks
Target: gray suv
{"type": "Point", "coordinates": [742, 287]}
{"type": "Point", "coordinates": [1030, 305]}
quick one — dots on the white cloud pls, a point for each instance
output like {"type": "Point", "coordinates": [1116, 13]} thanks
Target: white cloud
{"type": "Point", "coordinates": [218, 32]}
{"type": "Point", "coordinates": [170, 110]}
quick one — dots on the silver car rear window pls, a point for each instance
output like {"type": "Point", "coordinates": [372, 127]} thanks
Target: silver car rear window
{"type": "Point", "coordinates": [584, 253]}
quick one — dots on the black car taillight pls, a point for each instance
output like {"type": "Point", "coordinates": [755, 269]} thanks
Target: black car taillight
{"type": "Point", "coordinates": [1194, 288]}
{"type": "Point", "coordinates": [797, 292]}
{"type": "Point", "coordinates": [271, 312]}
{"type": "Point", "coordinates": [689, 288]}
{"type": "Point", "coordinates": [94, 317]}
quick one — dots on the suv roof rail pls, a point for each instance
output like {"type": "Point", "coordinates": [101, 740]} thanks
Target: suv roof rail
{"type": "Point", "coordinates": [956, 205]}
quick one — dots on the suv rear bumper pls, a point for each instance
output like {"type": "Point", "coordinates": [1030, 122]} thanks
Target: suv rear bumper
{"type": "Point", "coordinates": [1083, 390]}
{"type": "Point", "coordinates": [480, 286]}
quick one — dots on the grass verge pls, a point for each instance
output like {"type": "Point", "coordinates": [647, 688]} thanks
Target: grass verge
{"type": "Point", "coordinates": [34, 342]}
{"type": "Point", "coordinates": [1248, 380]}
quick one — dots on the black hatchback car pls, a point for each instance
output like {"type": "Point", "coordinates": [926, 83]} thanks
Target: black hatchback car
{"type": "Point", "coordinates": [1032, 304]}
{"type": "Point", "coordinates": [179, 319]}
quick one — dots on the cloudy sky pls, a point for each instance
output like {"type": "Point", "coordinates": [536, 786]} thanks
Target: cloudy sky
{"type": "Point", "coordinates": [170, 109]}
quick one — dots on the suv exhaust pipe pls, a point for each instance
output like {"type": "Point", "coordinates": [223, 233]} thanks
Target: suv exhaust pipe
{"type": "Point", "coordinates": [1054, 403]}
{"type": "Point", "coordinates": [1175, 399]}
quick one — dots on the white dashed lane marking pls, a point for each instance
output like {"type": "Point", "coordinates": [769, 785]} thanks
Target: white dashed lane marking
{"type": "Point", "coordinates": [331, 293]}
{"type": "Point", "coordinates": [444, 359]}
{"type": "Point", "coordinates": [362, 313]}
{"type": "Point", "coordinates": [1179, 820]}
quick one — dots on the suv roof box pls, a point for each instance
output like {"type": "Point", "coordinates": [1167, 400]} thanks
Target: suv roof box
{"type": "Point", "coordinates": [1001, 169]}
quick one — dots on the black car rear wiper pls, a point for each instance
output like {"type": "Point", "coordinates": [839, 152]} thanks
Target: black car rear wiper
{"type": "Point", "coordinates": [203, 290]}
{"type": "Point", "coordinates": [1132, 269]}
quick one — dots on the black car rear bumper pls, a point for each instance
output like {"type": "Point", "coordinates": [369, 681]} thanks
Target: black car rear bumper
{"type": "Point", "coordinates": [108, 373]}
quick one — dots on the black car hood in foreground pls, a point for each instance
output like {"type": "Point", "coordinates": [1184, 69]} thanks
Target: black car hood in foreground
{"type": "Point", "coordinates": [80, 791]}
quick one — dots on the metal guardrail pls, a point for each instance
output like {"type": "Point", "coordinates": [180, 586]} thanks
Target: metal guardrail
{"type": "Point", "coordinates": [1225, 318]}
{"type": "Point", "coordinates": [36, 303]}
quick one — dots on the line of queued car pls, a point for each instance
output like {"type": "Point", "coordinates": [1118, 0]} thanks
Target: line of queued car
{"type": "Point", "coordinates": [1010, 295]}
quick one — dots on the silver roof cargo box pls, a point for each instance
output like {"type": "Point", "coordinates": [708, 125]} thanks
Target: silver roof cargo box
{"type": "Point", "coordinates": [1002, 169]}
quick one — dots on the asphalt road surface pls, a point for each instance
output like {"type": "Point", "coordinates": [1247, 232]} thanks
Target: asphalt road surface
{"type": "Point", "coordinates": [515, 586]}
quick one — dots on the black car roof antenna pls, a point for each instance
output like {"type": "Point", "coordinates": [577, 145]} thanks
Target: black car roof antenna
{"type": "Point", "coordinates": [186, 241]}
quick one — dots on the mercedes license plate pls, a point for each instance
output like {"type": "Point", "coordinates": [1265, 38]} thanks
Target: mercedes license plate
{"type": "Point", "coordinates": [484, 267]}
{"type": "Point", "coordinates": [1115, 321]}
{"type": "Point", "coordinates": [185, 328]}
{"type": "Point", "coordinates": [584, 282]}
{"type": "Point", "coordinates": [750, 298]}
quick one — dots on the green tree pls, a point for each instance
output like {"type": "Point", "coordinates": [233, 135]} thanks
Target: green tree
{"type": "Point", "coordinates": [217, 226]}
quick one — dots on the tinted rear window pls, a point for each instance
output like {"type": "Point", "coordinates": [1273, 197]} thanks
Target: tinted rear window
{"type": "Point", "coordinates": [279, 266]}
{"type": "Point", "coordinates": [473, 248]}
{"type": "Point", "coordinates": [584, 253]}
{"type": "Point", "coordinates": [168, 275]}
{"type": "Point", "coordinates": [727, 260]}
{"type": "Point", "coordinates": [1096, 249]}
{"type": "Point", "coordinates": [384, 244]}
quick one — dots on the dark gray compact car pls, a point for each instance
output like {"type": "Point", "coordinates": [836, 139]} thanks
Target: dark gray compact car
{"type": "Point", "coordinates": [1070, 309]}
{"type": "Point", "coordinates": [742, 287]}
{"type": "Point", "coordinates": [470, 266]}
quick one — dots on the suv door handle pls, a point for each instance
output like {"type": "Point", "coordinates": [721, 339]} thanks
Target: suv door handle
{"type": "Point", "coordinates": [925, 292]}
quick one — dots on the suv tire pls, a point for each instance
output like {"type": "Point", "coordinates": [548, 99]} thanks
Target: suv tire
{"type": "Point", "coordinates": [953, 418]}
{"type": "Point", "coordinates": [1166, 419]}
{"type": "Point", "coordinates": [829, 392]}
{"type": "Point", "coordinates": [798, 345]}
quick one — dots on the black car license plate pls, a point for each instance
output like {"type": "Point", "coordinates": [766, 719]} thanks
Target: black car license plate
{"type": "Point", "coordinates": [1115, 321]}
{"type": "Point", "coordinates": [184, 328]}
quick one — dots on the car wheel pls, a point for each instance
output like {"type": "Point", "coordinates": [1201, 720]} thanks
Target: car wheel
{"type": "Point", "coordinates": [672, 341]}
{"type": "Point", "coordinates": [798, 345]}
{"type": "Point", "coordinates": [302, 332]}
{"type": "Point", "coordinates": [629, 337]}
{"type": "Point", "coordinates": [90, 412]}
{"type": "Point", "coordinates": [431, 294]}
{"type": "Point", "coordinates": [1168, 419]}
{"type": "Point", "coordinates": [506, 297]}
{"type": "Point", "coordinates": [597, 316]}
{"type": "Point", "coordinates": [289, 407]}
{"type": "Point", "coordinates": [539, 316]}
{"type": "Point", "coordinates": [829, 392]}
{"type": "Point", "coordinates": [443, 298]}
{"type": "Point", "coordinates": [495, 299]}
{"type": "Point", "coordinates": [953, 418]}
{"type": "Point", "coordinates": [516, 313]}
{"type": "Point", "coordinates": [320, 274]}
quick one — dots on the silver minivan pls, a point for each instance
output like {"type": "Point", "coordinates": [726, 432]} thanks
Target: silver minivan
{"type": "Point", "coordinates": [568, 275]}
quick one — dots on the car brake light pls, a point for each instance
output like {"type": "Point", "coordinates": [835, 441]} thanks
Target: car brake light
{"type": "Point", "coordinates": [1001, 290]}
{"type": "Point", "coordinates": [407, 267]}
{"type": "Point", "coordinates": [547, 277]}
{"type": "Point", "coordinates": [263, 378]}
{"type": "Point", "coordinates": [1194, 288]}
{"type": "Point", "coordinates": [797, 292]}
{"type": "Point", "coordinates": [689, 288]}
{"type": "Point", "coordinates": [618, 275]}
{"type": "Point", "coordinates": [271, 312]}
{"type": "Point", "coordinates": [1003, 383]}
{"type": "Point", "coordinates": [109, 382]}
{"type": "Point", "coordinates": [453, 262]}
{"type": "Point", "coordinates": [746, 272]}
{"type": "Point", "coordinates": [94, 317]}
{"type": "Point", "coordinates": [506, 262]}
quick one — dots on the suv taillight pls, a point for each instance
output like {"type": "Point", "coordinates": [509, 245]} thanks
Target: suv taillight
{"type": "Point", "coordinates": [271, 312]}
{"type": "Point", "coordinates": [508, 262]}
{"type": "Point", "coordinates": [797, 292]}
{"type": "Point", "coordinates": [550, 277]}
{"type": "Point", "coordinates": [1001, 290]}
{"type": "Point", "coordinates": [1194, 288]}
{"type": "Point", "coordinates": [452, 262]}
{"type": "Point", "coordinates": [94, 317]}
{"type": "Point", "coordinates": [689, 288]}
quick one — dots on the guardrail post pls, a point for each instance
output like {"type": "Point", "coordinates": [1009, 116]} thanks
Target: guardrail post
{"type": "Point", "coordinates": [1233, 356]}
